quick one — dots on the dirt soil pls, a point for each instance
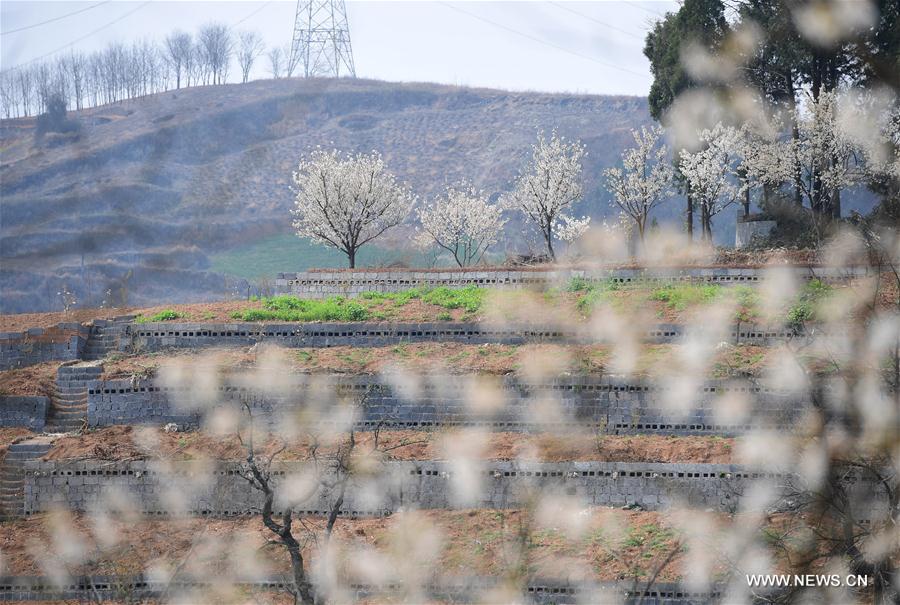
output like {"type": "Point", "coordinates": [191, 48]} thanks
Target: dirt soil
{"type": "Point", "coordinates": [8, 436]}
{"type": "Point", "coordinates": [126, 442]}
{"type": "Point", "coordinates": [436, 358]}
{"type": "Point", "coordinates": [609, 544]}
{"type": "Point", "coordinates": [30, 380]}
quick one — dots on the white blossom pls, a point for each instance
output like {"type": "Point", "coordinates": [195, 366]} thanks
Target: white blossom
{"type": "Point", "coordinates": [463, 223]}
{"type": "Point", "coordinates": [711, 172]}
{"type": "Point", "coordinates": [643, 181]}
{"type": "Point", "coordinates": [821, 159]}
{"type": "Point", "coordinates": [347, 201]}
{"type": "Point", "coordinates": [548, 187]}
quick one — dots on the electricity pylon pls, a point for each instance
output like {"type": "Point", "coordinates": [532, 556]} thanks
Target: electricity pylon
{"type": "Point", "coordinates": [321, 44]}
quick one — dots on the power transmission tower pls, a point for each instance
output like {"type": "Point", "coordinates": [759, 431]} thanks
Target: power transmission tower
{"type": "Point", "coordinates": [321, 43]}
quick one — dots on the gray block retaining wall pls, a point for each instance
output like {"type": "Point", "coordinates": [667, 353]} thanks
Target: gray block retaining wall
{"type": "Point", "coordinates": [63, 342]}
{"type": "Point", "coordinates": [603, 403]}
{"type": "Point", "coordinates": [323, 284]}
{"type": "Point", "coordinates": [149, 337]}
{"type": "Point", "coordinates": [24, 411]}
{"type": "Point", "coordinates": [451, 589]}
{"type": "Point", "coordinates": [189, 488]}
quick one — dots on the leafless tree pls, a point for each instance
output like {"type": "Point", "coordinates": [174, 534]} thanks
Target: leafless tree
{"type": "Point", "coordinates": [249, 49]}
{"type": "Point", "coordinates": [217, 46]}
{"type": "Point", "coordinates": [276, 61]}
{"type": "Point", "coordinates": [179, 47]}
{"type": "Point", "coordinates": [77, 65]}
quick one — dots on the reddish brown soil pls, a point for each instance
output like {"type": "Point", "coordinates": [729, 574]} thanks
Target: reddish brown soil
{"type": "Point", "coordinates": [454, 358]}
{"type": "Point", "coordinates": [126, 442]}
{"type": "Point", "coordinates": [612, 544]}
{"type": "Point", "coordinates": [30, 380]}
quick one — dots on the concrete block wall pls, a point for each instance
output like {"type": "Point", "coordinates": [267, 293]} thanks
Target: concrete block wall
{"type": "Point", "coordinates": [453, 589]}
{"type": "Point", "coordinates": [186, 488]}
{"type": "Point", "coordinates": [602, 403]}
{"type": "Point", "coordinates": [63, 342]}
{"type": "Point", "coordinates": [324, 284]}
{"type": "Point", "coordinates": [157, 336]}
{"type": "Point", "coordinates": [24, 411]}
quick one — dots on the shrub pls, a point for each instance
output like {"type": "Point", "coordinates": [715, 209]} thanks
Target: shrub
{"type": "Point", "coordinates": [806, 307]}
{"type": "Point", "coordinates": [55, 120]}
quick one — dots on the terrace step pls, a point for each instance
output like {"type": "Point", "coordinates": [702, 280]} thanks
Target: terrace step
{"type": "Point", "coordinates": [68, 401]}
{"type": "Point", "coordinates": [12, 475]}
{"type": "Point", "coordinates": [105, 337]}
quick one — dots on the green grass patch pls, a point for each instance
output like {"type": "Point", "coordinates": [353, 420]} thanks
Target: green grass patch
{"type": "Point", "coordinates": [682, 296]}
{"type": "Point", "coordinates": [287, 252]}
{"type": "Point", "coordinates": [291, 308]}
{"type": "Point", "coordinates": [591, 292]}
{"type": "Point", "coordinates": [469, 298]}
{"type": "Point", "coordinates": [164, 315]}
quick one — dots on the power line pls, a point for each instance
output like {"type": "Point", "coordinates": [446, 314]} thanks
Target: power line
{"type": "Point", "coordinates": [33, 25]}
{"type": "Point", "coordinates": [252, 14]}
{"type": "Point", "coordinates": [84, 37]}
{"type": "Point", "coordinates": [643, 8]}
{"type": "Point", "coordinates": [582, 15]}
{"type": "Point", "coordinates": [544, 42]}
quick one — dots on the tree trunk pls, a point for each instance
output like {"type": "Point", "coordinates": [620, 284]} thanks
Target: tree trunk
{"type": "Point", "coordinates": [706, 223]}
{"type": "Point", "coordinates": [689, 221]}
{"type": "Point", "coordinates": [747, 202]}
{"type": "Point", "coordinates": [548, 238]}
{"type": "Point", "coordinates": [351, 257]}
{"type": "Point", "coordinates": [301, 586]}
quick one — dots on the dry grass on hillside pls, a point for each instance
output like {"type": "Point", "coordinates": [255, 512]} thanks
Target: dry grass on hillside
{"type": "Point", "coordinates": [436, 358]}
{"type": "Point", "coordinates": [126, 442]}
{"type": "Point", "coordinates": [613, 543]}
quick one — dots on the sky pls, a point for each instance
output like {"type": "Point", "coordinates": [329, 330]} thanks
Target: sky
{"type": "Point", "coordinates": [576, 47]}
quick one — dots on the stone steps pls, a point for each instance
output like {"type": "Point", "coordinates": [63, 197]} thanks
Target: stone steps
{"type": "Point", "coordinates": [12, 475]}
{"type": "Point", "coordinates": [68, 401]}
{"type": "Point", "coordinates": [105, 337]}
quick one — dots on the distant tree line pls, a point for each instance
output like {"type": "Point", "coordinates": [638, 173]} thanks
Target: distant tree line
{"type": "Point", "coordinates": [121, 71]}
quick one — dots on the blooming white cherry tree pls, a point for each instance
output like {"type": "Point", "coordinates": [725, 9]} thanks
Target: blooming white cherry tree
{"type": "Point", "coordinates": [711, 172]}
{"type": "Point", "coordinates": [548, 187]}
{"type": "Point", "coordinates": [346, 201]}
{"type": "Point", "coordinates": [463, 222]}
{"type": "Point", "coordinates": [644, 180]}
{"type": "Point", "coordinates": [821, 160]}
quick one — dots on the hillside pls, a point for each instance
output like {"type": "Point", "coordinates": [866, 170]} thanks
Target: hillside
{"type": "Point", "coordinates": [154, 190]}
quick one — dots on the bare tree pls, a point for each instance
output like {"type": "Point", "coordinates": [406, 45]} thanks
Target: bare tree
{"type": "Point", "coordinates": [8, 94]}
{"type": "Point", "coordinates": [179, 48]}
{"type": "Point", "coordinates": [250, 48]}
{"type": "Point", "coordinates": [217, 46]}
{"type": "Point", "coordinates": [276, 61]}
{"type": "Point", "coordinates": [78, 67]}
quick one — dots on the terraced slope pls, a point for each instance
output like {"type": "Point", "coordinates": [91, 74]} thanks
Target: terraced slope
{"type": "Point", "coordinates": [560, 471]}
{"type": "Point", "coordinates": [153, 187]}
